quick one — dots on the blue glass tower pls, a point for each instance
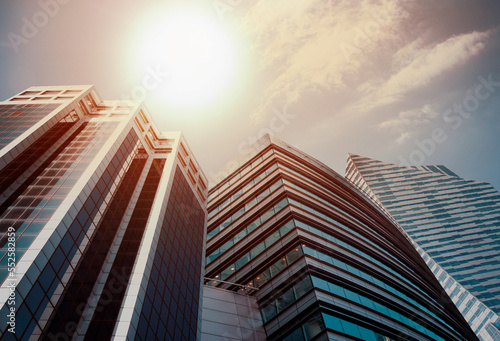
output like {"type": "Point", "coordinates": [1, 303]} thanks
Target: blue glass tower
{"type": "Point", "coordinates": [456, 223]}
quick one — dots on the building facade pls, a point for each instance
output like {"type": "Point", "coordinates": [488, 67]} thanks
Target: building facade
{"type": "Point", "coordinates": [228, 315]}
{"type": "Point", "coordinates": [455, 225]}
{"type": "Point", "coordinates": [102, 221]}
{"type": "Point", "coordinates": [320, 260]}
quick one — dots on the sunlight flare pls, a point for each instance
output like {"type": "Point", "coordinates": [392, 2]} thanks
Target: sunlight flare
{"type": "Point", "coordinates": [194, 53]}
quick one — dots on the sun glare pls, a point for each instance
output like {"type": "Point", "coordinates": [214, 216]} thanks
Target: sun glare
{"type": "Point", "coordinates": [195, 56]}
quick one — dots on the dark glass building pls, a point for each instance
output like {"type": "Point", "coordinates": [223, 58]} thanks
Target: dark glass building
{"type": "Point", "coordinates": [102, 221]}
{"type": "Point", "coordinates": [318, 259]}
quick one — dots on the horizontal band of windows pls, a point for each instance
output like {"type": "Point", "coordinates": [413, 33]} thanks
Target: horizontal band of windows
{"type": "Point", "coordinates": [373, 283]}
{"type": "Point", "coordinates": [256, 251]}
{"type": "Point", "coordinates": [286, 297]}
{"type": "Point", "coordinates": [322, 321]}
{"type": "Point", "coordinates": [245, 208]}
{"type": "Point", "coordinates": [417, 323]}
{"type": "Point", "coordinates": [249, 184]}
{"type": "Point", "coordinates": [404, 280]}
{"type": "Point", "coordinates": [243, 233]}
{"type": "Point", "coordinates": [315, 213]}
{"type": "Point", "coordinates": [342, 218]}
{"type": "Point", "coordinates": [231, 180]}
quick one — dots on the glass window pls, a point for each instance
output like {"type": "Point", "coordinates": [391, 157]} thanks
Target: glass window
{"type": "Point", "coordinates": [336, 289]}
{"type": "Point", "coordinates": [320, 283]}
{"type": "Point", "coordinates": [226, 246]}
{"type": "Point", "coordinates": [242, 261]}
{"type": "Point", "coordinates": [34, 228]}
{"type": "Point", "coordinates": [333, 322]}
{"type": "Point", "coordinates": [239, 236]}
{"type": "Point", "coordinates": [382, 309]}
{"type": "Point", "coordinates": [25, 241]}
{"type": "Point", "coordinates": [257, 250]}
{"type": "Point", "coordinates": [367, 302]}
{"type": "Point", "coordinates": [311, 252]}
{"type": "Point", "coordinates": [287, 227]}
{"type": "Point", "coordinates": [296, 335]}
{"type": "Point", "coordinates": [263, 194]}
{"type": "Point", "coordinates": [238, 213]}
{"type": "Point", "coordinates": [285, 300]}
{"type": "Point", "coordinates": [267, 154]}
{"type": "Point", "coordinates": [223, 204]}
{"type": "Point", "coordinates": [227, 272]}
{"type": "Point", "coordinates": [253, 225]}
{"type": "Point", "coordinates": [302, 225]}
{"type": "Point", "coordinates": [248, 186]}
{"type": "Point", "coordinates": [237, 195]}
{"type": "Point", "coordinates": [263, 277]}
{"type": "Point", "coordinates": [352, 296]}
{"type": "Point", "coordinates": [350, 328]}
{"type": "Point", "coordinates": [275, 185]}
{"type": "Point", "coordinates": [303, 286]}
{"type": "Point", "coordinates": [269, 311]}
{"type": "Point", "coordinates": [226, 223]}
{"type": "Point", "coordinates": [370, 335]}
{"type": "Point", "coordinates": [294, 254]}
{"type": "Point", "coordinates": [272, 238]}
{"type": "Point", "coordinates": [55, 202]}
{"type": "Point", "coordinates": [278, 266]}
{"type": "Point", "coordinates": [313, 327]}
{"type": "Point", "coordinates": [211, 257]}
{"type": "Point", "coordinates": [324, 257]}
{"type": "Point", "coordinates": [212, 233]}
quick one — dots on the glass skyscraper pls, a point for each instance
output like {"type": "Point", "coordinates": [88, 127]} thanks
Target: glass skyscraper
{"type": "Point", "coordinates": [102, 221]}
{"type": "Point", "coordinates": [455, 224]}
{"type": "Point", "coordinates": [318, 259]}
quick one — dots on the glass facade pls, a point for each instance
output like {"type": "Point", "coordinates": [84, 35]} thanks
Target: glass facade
{"type": "Point", "coordinates": [245, 231]}
{"type": "Point", "coordinates": [454, 225]}
{"type": "Point", "coordinates": [85, 275]}
{"type": "Point", "coordinates": [103, 320]}
{"type": "Point", "coordinates": [16, 119]}
{"type": "Point", "coordinates": [74, 240]}
{"type": "Point", "coordinates": [325, 262]}
{"type": "Point", "coordinates": [31, 206]}
{"type": "Point", "coordinates": [175, 277]}
{"type": "Point", "coordinates": [25, 162]}
{"type": "Point", "coordinates": [85, 198]}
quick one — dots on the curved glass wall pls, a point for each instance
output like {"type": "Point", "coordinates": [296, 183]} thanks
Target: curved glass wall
{"type": "Point", "coordinates": [330, 264]}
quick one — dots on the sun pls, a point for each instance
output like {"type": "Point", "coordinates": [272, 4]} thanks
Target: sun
{"type": "Point", "coordinates": [193, 52]}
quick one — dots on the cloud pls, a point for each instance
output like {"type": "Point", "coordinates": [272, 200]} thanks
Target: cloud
{"type": "Point", "coordinates": [416, 65]}
{"type": "Point", "coordinates": [426, 64]}
{"type": "Point", "coordinates": [316, 45]}
{"type": "Point", "coordinates": [369, 60]}
{"type": "Point", "coordinates": [406, 122]}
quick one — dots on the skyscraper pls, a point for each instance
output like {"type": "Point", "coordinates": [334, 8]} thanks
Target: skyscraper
{"type": "Point", "coordinates": [102, 221]}
{"type": "Point", "coordinates": [318, 259]}
{"type": "Point", "coordinates": [456, 223]}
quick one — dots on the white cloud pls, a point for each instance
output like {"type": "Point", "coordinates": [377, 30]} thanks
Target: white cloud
{"type": "Point", "coordinates": [364, 55]}
{"type": "Point", "coordinates": [316, 45]}
{"type": "Point", "coordinates": [403, 137]}
{"type": "Point", "coordinates": [427, 63]}
{"type": "Point", "coordinates": [407, 122]}
{"type": "Point", "coordinates": [416, 66]}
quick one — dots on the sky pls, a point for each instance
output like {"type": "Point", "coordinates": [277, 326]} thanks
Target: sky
{"type": "Point", "coordinates": [406, 82]}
